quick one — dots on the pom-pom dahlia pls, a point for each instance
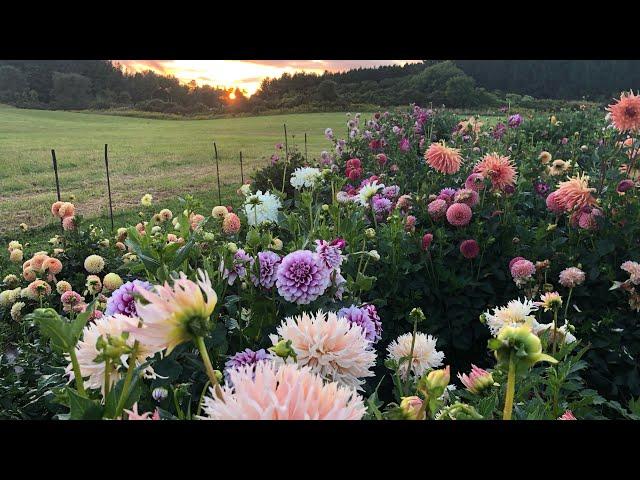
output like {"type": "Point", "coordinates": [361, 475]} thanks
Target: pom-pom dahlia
{"type": "Point", "coordinates": [302, 277]}
{"type": "Point", "coordinates": [459, 214]}
{"type": "Point", "coordinates": [122, 300]}
{"type": "Point", "coordinates": [268, 263]}
{"type": "Point", "coordinates": [571, 277]}
{"type": "Point", "coordinates": [366, 317]}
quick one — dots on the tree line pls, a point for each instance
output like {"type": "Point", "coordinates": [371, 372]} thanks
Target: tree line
{"type": "Point", "coordinates": [100, 84]}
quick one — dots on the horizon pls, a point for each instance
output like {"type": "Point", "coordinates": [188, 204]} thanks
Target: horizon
{"type": "Point", "coordinates": [246, 75]}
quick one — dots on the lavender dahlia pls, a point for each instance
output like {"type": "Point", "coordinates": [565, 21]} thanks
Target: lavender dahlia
{"type": "Point", "coordinates": [122, 300]}
{"type": "Point", "coordinates": [239, 267]}
{"type": "Point", "coordinates": [366, 317]}
{"type": "Point", "coordinates": [240, 359]}
{"type": "Point", "coordinates": [331, 252]}
{"type": "Point", "coordinates": [268, 263]}
{"type": "Point", "coordinates": [302, 277]}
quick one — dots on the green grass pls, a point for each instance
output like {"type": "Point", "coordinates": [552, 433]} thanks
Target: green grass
{"type": "Point", "coordinates": [162, 157]}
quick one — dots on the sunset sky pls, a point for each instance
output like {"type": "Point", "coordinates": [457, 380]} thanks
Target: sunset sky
{"type": "Point", "coordinates": [245, 74]}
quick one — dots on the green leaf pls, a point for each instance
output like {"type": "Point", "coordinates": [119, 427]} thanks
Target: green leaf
{"type": "Point", "coordinates": [83, 408]}
{"type": "Point", "coordinates": [54, 327]}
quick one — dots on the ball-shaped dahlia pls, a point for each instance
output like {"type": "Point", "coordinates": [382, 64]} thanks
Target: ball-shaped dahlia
{"type": "Point", "coordinates": [94, 264]}
{"type": "Point", "coordinates": [366, 317]}
{"type": "Point", "coordinates": [112, 281]}
{"type": "Point", "coordinates": [63, 286]}
{"type": "Point", "coordinates": [66, 210]}
{"type": "Point", "coordinates": [469, 249]}
{"type": "Point", "coordinates": [231, 224]}
{"type": "Point", "coordinates": [331, 346]}
{"type": "Point", "coordinates": [459, 214]}
{"type": "Point", "coordinates": [219, 212]}
{"type": "Point", "coordinates": [302, 277]}
{"type": "Point", "coordinates": [122, 300]}
{"type": "Point", "coordinates": [437, 209]}
{"type": "Point", "coordinates": [69, 223]}
{"type": "Point", "coordinates": [522, 270]}
{"type": "Point", "coordinates": [282, 392]}
{"type": "Point", "coordinates": [553, 203]}
{"type": "Point", "coordinates": [571, 277]}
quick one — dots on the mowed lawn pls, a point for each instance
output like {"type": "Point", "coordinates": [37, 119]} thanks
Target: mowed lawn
{"type": "Point", "coordinates": [163, 157]}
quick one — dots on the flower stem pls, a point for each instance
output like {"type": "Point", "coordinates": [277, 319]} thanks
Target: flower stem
{"type": "Point", "coordinates": [107, 366]}
{"type": "Point", "coordinates": [511, 389]}
{"type": "Point", "coordinates": [76, 372]}
{"type": "Point", "coordinates": [127, 380]}
{"type": "Point", "coordinates": [208, 367]}
{"type": "Point", "coordinates": [566, 308]}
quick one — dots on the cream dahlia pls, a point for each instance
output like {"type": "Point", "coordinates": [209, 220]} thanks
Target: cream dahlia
{"type": "Point", "coordinates": [425, 356]}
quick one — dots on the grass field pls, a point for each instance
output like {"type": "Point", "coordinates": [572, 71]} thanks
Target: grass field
{"type": "Point", "coordinates": [162, 157]}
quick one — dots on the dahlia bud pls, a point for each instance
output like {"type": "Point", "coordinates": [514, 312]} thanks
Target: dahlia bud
{"type": "Point", "coordinates": [417, 315]}
{"type": "Point", "coordinates": [412, 407]}
{"type": "Point", "coordinates": [232, 247]}
{"type": "Point", "coordinates": [159, 394]}
{"type": "Point", "coordinates": [520, 340]}
{"type": "Point", "coordinates": [283, 349]}
{"type": "Point", "coordinates": [477, 381]}
{"type": "Point", "coordinates": [459, 411]}
{"type": "Point", "coordinates": [374, 255]}
{"type": "Point", "coordinates": [370, 233]}
{"type": "Point", "coordinates": [438, 379]}
{"type": "Point", "coordinates": [325, 207]}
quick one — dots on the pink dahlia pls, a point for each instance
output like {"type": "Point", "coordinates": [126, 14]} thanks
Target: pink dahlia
{"type": "Point", "coordinates": [522, 270]}
{"type": "Point", "coordinates": [134, 415]}
{"type": "Point", "coordinates": [231, 224]}
{"type": "Point", "coordinates": [633, 269]}
{"type": "Point", "coordinates": [571, 277]}
{"type": "Point", "coordinates": [302, 277]}
{"type": "Point", "coordinates": [282, 392]}
{"type": "Point", "coordinates": [332, 346]}
{"type": "Point", "coordinates": [459, 214]}
{"type": "Point", "coordinates": [514, 260]}
{"type": "Point", "coordinates": [69, 223]}
{"type": "Point", "coordinates": [469, 249]}
{"type": "Point", "coordinates": [426, 241]}
{"type": "Point", "coordinates": [575, 193]}
{"type": "Point", "coordinates": [442, 158]}
{"type": "Point", "coordinates": [437, 209]}
{"type": "Point", "coordinates": [467, 196]}
{"type": "Point", "coordinates": [568, 415]}
{"type": "Point", "coordinates": [553, 203]}
{"type": "Point", "coordinates": [475, 182]}
{"type": "Point", "coordinates": [500, 170]}
{"type": "Point", "coordinates": [625, 113]}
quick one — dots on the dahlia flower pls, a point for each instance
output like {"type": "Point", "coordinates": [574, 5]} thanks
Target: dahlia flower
{"type": "Point", "coordinates": [571, 277]}
{"type": "Point", "coordinates": [550, 301]}
{"type": "Point", "coordinates": [633, 269]}
{"type": "Point", "coordinates": [514, 314]}
{"type": "Point", "coordinates": [367, 192]}
{"type": "Point", "coordinates": [94, 264]}
{"type": "Point", "coordinates": [268, 263]}
{"type": "Point", "coordinates": [437, 209]}
{"type": "Point", "coordinates": [38, 289]}
{"type": "Point", "coordinates": [231, 224]}
{"type": "Point", "coordinates": [425, 356]}
{"type": "Point", "coordinates": [261, 208]}
{"type": "Point", "coordinates": [146, 200]}
{"type": "Point", "coordinates": [87, 351]}
{"type": "Point", "coordinates": [175, 314]}
{"type": "Point", "coordinates": [475, 182]}
{"type": "Point", "coordinates": [562, 334]}
{"type": "Point", "coordinates": [16, 311]}
{"type": "Point", "coordinates": [625, 113]}
{"type": "Point", "coordinates": [469, 249]}
{"type": "Point", "coordinates": [521, 271]}
{"type": "Point", "coordinates": [459, 214]}
{"type": "Point", "coordinates": [134, 415]}
{"type": "Point", "coordinates": [426, 241]}
{"type": "Point", "coordinates": [500, 170]}
{"type": "Point", "coordinates": [553, 203]}
{"type": "Point", "coordinates": [122, 300]}
{"type": "Point", "coordinates": [282, 392]}
{"type": "Point", "coordinates": [241, 260]}
{"type": "Point", "coordinates": [331, 346]}
{"type": "Point", "coordinates": [442, 158]}
{"type": "Point", "coordinates": [112, 281]}
{"type": "Point", "coordinates": [366, 317]}
{"type": "Point", "coordinates": [544, 157]}
{"type": "Point", "coordinates": [72, 301]}
{"type": "Point", "coordinates": [467, 196]}
{"type": "Point", "coordinates": [568, 415]}
{"type": "Point", "coordinates": [625, 185]}
{"type": "Point", "coordinates": [331, 252]}
{"type": "Point", "coordinates": [575, 193]}
{"type": "Point", "coordinates": [302, 277]}
{"type": "Point", "coordinates": [245, 358]}
{"type": "Point", "coordinates": [305, 177]}
{"type": "Point", "coordinates": [219, 212]}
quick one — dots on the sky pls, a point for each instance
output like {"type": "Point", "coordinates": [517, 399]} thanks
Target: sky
{"type": "Point", "coordinates": [245, 74]}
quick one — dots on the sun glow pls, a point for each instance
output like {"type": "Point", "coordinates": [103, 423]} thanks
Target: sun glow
{"type": "Point", "coordinates": [244, 74]}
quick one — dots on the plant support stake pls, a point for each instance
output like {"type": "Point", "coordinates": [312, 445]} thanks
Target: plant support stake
{"type": "Point", "coordinates": [241, 169]}
{"type": "Point", "coordinates": [55, 171]}
{"type": "Point", "coordinates": [106, 164]}
{"type": "Point", "coordinates": [215, 148]}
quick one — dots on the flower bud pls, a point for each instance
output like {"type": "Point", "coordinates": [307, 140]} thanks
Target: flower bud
{"type": "Point", "coordinates": [283, 349]}
{"type": "Point", "coordinates": [159, 394]}
{"type": "Point", "coordinates": [232, 247]}
{"type": "Point", "coordinates": [417, 315]}
{"type": "Point", "coordinates": [370, 233]}
{"type": "Point", "coordinates": [374, 255]}
{"type": "Point", "coordinates": [458, 411]}
{"type": "Point", "coordinates": [411, 407]}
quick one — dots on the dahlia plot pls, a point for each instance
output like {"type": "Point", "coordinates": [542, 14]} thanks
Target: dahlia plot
{"type": "Point", "coordinates": [422, 267]}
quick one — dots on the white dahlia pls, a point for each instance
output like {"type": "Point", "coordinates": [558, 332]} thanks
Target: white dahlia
{"type": "Point", "coordinates": [282, 392]}
{"type": "Point", "coordinates": [425, 356]}
{"type": "Point", "coordinates": [86, 351]}
{"type": "Point", "coordinates": [261, 208]}
{"type": "Point", "coordinates": [367, 192]}
{"type": "Point", "coordinates": [305, 177]}
{"type": "Point", "coordinates": [331, 346]}
{"type": "Point", "coordinates": [516, 313]}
